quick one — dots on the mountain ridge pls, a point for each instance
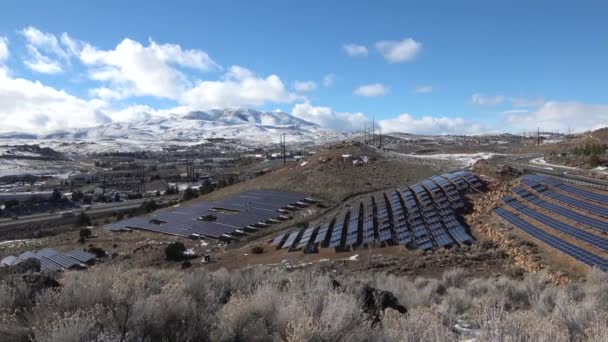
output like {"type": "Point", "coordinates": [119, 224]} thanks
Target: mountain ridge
{"type": "Point", "coordinates": [243, 124]}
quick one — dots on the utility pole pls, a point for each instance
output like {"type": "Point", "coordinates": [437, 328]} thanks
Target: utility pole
{"type": "Point", "coordinates": [373, 131]}
{"type": "Point", "coordinates": [538, 137]}
{"type": "Point", "coordinates": [365, 132]}
{"type": "Point", "coordinates": [284, 157]}
{"type": "Point", "coordinates": [380, 130]}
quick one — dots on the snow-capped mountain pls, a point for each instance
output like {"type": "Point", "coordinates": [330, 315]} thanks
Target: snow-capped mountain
{"type": "Point", "coordinates": [243, 124]}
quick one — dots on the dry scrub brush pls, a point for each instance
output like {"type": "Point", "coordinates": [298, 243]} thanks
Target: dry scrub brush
{"type": "Point", "coordinates": [260, 304]}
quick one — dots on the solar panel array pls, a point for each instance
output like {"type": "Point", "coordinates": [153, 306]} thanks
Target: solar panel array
{"type": "Point", "coordinates": [572, 250]}
{"type": "Point", "coordinates": [553, 211]}
{"type": "Point", "coordinates": [52, 260]}
{"type": "Point", "coordinates": [424, 216]}
{"type": "Point", "coordinates": [539, 185]}
{"type": "Point", "coordinates": [248, 211]}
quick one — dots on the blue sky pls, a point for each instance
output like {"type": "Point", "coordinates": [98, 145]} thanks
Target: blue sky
{"type": "Point", "coordinates": [416, 66]}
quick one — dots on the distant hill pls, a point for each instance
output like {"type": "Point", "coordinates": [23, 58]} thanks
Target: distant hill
{"type": "Point", "coordinates": [243, 124]}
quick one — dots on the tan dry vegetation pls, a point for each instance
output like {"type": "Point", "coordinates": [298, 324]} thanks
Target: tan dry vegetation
{"type": "Point", "coordinates": [260, 304]}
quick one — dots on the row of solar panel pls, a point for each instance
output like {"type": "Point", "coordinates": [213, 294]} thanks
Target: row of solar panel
{"type": "Point", "coordinates": [247, 211]}
{"type": "Point", "coordinates": [538, 185]}
{"type": "Point", "coordinates": [573, 232]}
{"type": "Point", "coordinates": [586, 194]}
{"type": "Point", "coordinates": [52, 260]}
{"type": "Point", "coordinates": [593, 223]}
{"type": "Point", "coordinates": [570, 249]}
{"type": "Point", "coordinates": [426, 221]}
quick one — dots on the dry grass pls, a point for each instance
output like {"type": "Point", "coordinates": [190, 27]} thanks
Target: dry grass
{"type": "Point", "coordinates": [259, 304]}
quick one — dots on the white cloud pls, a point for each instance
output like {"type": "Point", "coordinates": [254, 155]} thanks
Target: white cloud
{"type": "Point", "coordinates": [328, 118]}
{"type": "Point", "coordinates": [428, 125]}
{"type": "Point", "coordinates": [483, 100]}
{"type": "Point", "coordinates": [355, 50]}
{"type": "Point", "coordinates": [239, 88]}
{"type": "Point", "coordinates": [304, 86]}
{"type": "Point", "coordinates": [132, 69]}
{"type": "Point", "coordinates": [329, 79]}
{"type": "Point", "coordinates": [41, 63]}
{"type": "Point", "coordinates": [554, 115]}
{"type": "Point", "coordinates": [45, 53]}
{"type": "Point", "coordinates": [399, 51]}
{"type": "Point", "coordinates": [3, 49]}
{"type": "Point", "coordinates": [424, 89]}
{"type": "Point", "coordinates": [27, 106]}
{"type": "Point", "coordinates": [371, 90]}
{"type": "Point", "coordinates": [527, 102]}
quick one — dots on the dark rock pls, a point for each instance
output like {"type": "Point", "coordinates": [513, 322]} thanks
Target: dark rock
{"type": "Point", "coordinates": [374, 301]}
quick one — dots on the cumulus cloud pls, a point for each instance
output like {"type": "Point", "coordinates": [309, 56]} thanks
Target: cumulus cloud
{"type": "Point", "coordinates": [329, 79]}
{"type": "Point", "coordinates": [355, 50]}
{"type": "Point", "coordinates": [45, 53]}
{"type": "Point", "coordinates": [424, 89]}
{"type": "Point", "coordinates": [27, 106]}
{"type": "Point", "coordinates": [483, 100]}
{"type": "Point", "coordinates": [428, 125]}
{"type": "Point", "coordinates": [399, 51]}
{"type": "Point", "coordinates": [304, 86]}
{"type": "Point", "coordinates": [132, 69]}
{"type": "Point", "coordinates": [239, 87]}
{"type": "Point", "coordinates": [3, 49]}
{"type": "Point", "coordinates": [555, 115]}
{"type": "Point", "coordinates": [371, 90]}
{"type": "Point", "coordinates": [328, 118]}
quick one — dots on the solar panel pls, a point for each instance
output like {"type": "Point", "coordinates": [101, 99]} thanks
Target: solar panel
{"type": "Point", "coordinates": [431, 218]}
{"type": "Point", "coordinates": [402, 233]}
{"type": "Point", "coordinates": [249, 209]}
{"type": "Point", "coordinates": [416, 223]}
{"type": "Point", "coordinates": [291, 239]}
{"type": "Point", "coordinates": [586, 194]}
{"type": "Point", "coordinates": [277, 240]}
{"type": "Point", "coordinates": [305, 239]}
{"type": "Point", "coordinates": [568, 200]}
{"type": "Point", "coordinates": [562, 211]}
{"type": "Point", "coordinates": [559, 226]}
{"type": "Point", "coordinates": [62, 260]}
{"type": "Point", "coordinates": [322, 233]}
{"type": "Point", "coordinates": [574, 251]}
{"type": "Point", "coordinates": [352, 232]}
{"type": "Point", "coordinates": [81, 255]}
{"type": "Point", "coordinates": [336, 234]}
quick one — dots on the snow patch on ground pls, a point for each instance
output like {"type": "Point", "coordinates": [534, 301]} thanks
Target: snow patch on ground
{"type": "Point", "coordinates": [465, 159]}
{"type": "Point", "coordinates": [353, 258]}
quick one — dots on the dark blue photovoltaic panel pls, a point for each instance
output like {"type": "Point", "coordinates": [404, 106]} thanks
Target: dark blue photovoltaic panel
{"type": "Point", "coordinates": [291, 239]}
{"type": "Point", "coordinates": [431, 217]}
{"type": "Point", "coordinates": [574, 251]}
{"type": "Point", "coordinates": [571, 201]}
{"type": "Point", "coordinates": [352, 232]}
{"type": "Point", "coordinates": [565, 212]}
{"type": "Point", "coordinates": [249, 209]}
{"type": "Point", "coordinates": [423, 217]}
{"type": "Point", "coordinates": [368, 222]}
{"type": "Point", "coordinates": [336, 234]}
{"type": "Point", "coordinates": [586, 194]}
{"type": "Point", "coordinates": [573, 232]}
{"type": "Point", "coordinates": [322, 233]}
{"type": "Point", "coordinates": [384, 224]}
{"type": "Point", "coordinates": [305, 239]}
{"type": "Point", "coordinates": [277, 240]}
{"type": "Point", "coordinates": [416, 223]}
{"type": "Point", "coordinates": [81, 255]}
{"type": "Point", "coordinates": [402, 233]}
